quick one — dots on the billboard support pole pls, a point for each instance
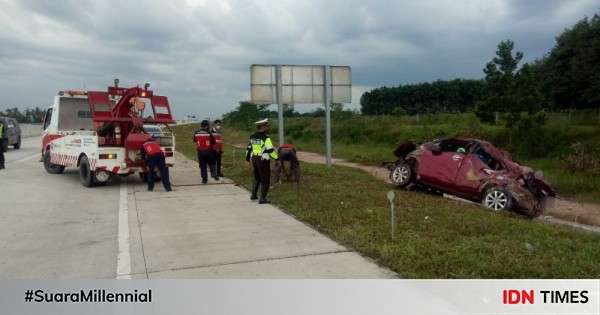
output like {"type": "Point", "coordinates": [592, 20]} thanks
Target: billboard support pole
{"type": "Point", "coordinates": [327, 101]}
{"type": "Point", "coordinates": [278, 95]}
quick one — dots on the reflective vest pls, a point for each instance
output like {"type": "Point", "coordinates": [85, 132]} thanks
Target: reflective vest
{"type": "Point", "coordinates": [152, 148]}
{"type": "Point", "coordinates": [202, 141]}
{"type": "Point", "coordinates": [258, 147]}
{"type": "Point", "coordinates": [218, 142]}
{"type": "Point", "coordinates": [1, 130]}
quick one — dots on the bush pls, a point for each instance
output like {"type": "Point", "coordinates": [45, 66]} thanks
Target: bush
{"type": "Point", "coordinates": [582, 159]}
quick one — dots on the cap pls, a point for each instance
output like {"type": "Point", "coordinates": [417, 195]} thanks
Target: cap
{"type": "Point", "coordinates": [204, 123]}
{"type": "Point", "coordinates": [262, 122]}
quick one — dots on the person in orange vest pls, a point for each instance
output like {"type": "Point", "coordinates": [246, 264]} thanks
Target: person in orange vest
{"type": "Point", "coordinates": [205, 147]}
{"type": "Point", "coordinates": [155, 158]}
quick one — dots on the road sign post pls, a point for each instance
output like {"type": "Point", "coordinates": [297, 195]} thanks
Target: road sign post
{"type": "Point", "coordinates": [327, 102]}
{"type": "Point", "coordinates": [391, 196]}
{"type": "Point", "coordinates": [278, 93]}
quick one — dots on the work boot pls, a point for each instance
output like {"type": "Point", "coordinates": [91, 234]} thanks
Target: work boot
{"type": "Point", "coordinates": [216, 178]}
{"type": "Point", "coordinates": [204, 181]}
{"type": "Point", "coordinates": [264, 201]}
{"type": "Point", "coordinates": [254, 194]}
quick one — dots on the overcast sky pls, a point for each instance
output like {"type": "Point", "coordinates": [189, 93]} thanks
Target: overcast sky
{"type": "Point", "coordinates": [198, 52]}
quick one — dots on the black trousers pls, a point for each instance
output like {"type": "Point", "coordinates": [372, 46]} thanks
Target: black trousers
{"type": "Point", "coordinates": [218, 157]}
{"type": "Point", "coordinates": [158, 161]}
{"type": "Point", "coordinates": [2, 145]}
{"type": "Point", "coordinates": [206, 159]}
{"type": "Point", "coordinates": [262, 176]}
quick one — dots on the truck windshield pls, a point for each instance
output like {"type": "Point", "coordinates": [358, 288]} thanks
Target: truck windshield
{"type": "Point", "coordinates": [74, 114]}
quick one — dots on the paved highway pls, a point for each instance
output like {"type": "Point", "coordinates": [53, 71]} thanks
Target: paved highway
{"type": "Point", "coordinates": [53, 227]}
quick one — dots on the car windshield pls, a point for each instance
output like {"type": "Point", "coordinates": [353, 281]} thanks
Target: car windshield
{"type": "Point", "coordinates": [487, 159]}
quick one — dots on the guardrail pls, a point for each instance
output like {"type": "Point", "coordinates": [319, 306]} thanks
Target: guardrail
{"type": "Point", "coordinates": [30, 130]}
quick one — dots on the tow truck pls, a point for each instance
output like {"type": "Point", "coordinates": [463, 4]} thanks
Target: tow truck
{"type": "Point", "coordinates": [101, 132]}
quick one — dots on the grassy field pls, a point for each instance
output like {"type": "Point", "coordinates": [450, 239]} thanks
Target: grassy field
{"type": "Point", "coordinates": [435, 237]}
{"type": "Point", "coordinates": [371, 140]}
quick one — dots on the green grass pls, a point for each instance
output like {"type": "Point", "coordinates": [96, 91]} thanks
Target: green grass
{"type": "Point", "coordinates": [436, 237]}
{"type": "Point", "coordinates": [371, 140]}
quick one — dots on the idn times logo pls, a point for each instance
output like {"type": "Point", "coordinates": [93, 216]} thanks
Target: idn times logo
{"type": "Point", "coordinates": [514, 296]}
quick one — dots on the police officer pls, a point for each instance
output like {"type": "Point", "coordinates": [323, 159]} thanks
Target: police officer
{"type": "Point", "coordinates": [205, 147]}
{"type": "Point", "coordinates": [154, 158]}
{"type": "Point", "coordinates": [2, 146]}
{"type": "Point", "coordinates": [260, 151]}
{"type": "Point", "coordinates": [216, 130]}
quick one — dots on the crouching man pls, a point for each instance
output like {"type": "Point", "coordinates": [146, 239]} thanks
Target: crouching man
{"type": "Point", "coordinates": [287, 153]}
{"type": "Point", "coordinates": [155, 158]}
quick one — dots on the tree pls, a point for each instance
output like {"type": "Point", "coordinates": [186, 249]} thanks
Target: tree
{"type": "Point", "coordinates": [244, 116]}
{"type": "Point", "coordinates": [500, 78]}
{"type": "Point", "coordinates": [572, 68]}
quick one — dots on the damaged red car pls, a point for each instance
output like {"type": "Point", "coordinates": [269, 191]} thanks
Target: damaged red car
{"type": "Point", "coordinates": [472, 169]}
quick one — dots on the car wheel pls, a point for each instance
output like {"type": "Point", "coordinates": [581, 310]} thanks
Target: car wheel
{"type": "Point", "coordinates": [50, 167]}
{"type": "Point", "coordinates": [402, 174]}
{"type": "Point", "coordinates": [85, 174]}
{"type": "Point", "coordinates": [497, 199]}
{"type": "Point", "coordinates": [17, 145]}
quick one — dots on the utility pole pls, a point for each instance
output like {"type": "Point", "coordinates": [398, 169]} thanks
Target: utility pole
{"type": "Point", "coordinates": [327, 101]}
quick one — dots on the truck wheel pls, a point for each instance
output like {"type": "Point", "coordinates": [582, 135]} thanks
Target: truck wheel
{"type": "Point", "coordinates": [85, 174]}
{"type": "Point", "coordinates": [497, 199]}
{"type": "Point", "coordinates": [17, 145]}
{"type": "Point", "coordinates": [50, 167]}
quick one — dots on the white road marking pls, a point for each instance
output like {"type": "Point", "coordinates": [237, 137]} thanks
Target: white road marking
{"type": "Point", "coordinates": [123, 258]}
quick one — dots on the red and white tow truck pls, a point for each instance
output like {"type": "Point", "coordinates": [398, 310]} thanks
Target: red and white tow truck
{"type": "Point", "coordinates": [101, 132]}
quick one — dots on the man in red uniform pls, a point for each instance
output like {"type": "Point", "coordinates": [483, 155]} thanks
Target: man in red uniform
{"type": "Point", "coordinates": [205, 147]}
{"type": "Point", "coordinates": [287, 152]}
{"type": "Point", "coordinates": [216, 131]}
{"type": "Point", "coordinates": [155, 157]}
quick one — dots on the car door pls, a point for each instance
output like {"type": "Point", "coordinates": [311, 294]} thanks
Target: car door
{"type": "Point", "coordinates": [469, 177]}
{"type": "Point", "coordinates": [473, 172]}
{"type": "Point", "coordinates": [439, 169]}
{"type": "Point", "coordinates": [11, 131]}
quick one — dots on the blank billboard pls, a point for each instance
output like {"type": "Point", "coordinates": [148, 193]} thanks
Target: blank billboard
{"type": "Point", "coordinates": [300, 84]}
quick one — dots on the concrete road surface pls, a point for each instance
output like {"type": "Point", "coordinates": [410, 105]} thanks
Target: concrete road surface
{"type": "Point", "coordinates": [53, 227]}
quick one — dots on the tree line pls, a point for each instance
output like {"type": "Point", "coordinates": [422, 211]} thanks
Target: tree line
{"type": "Point", "coordinates": [29, 115]}
{"type": "Point", "coordinates": [566, 78]}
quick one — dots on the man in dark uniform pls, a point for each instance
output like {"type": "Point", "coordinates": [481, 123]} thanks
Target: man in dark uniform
{"type": "Point", "coordinates": [260, 151]}
{"type": "Point", "coordinates": [216, 130]}
{"type": "Point", "coordinates": [205, 147]}
{"type": "Point", "coordinates": [2, 146]}
{"type": "Point", "coordinates": [154, 158]}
